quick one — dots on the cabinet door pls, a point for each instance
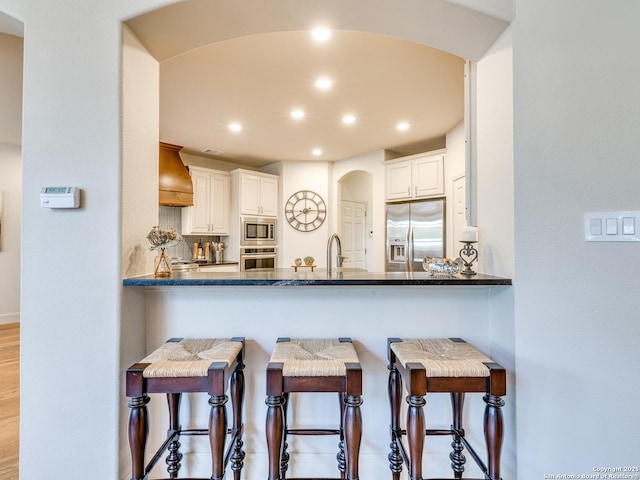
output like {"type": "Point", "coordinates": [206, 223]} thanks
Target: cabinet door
{"type": "Point", "coordinates": [428, 176]}
{"type": "Point", "coordinates": [220, 197]}
{"type": "Point", "coordinates": [249, 194]}
{"type": "Point", "coordinates": [200, 213]}
{"type": "Point", "coordinates": [269, 196]}
{"type": "Point", "coordinates": [398, 179]}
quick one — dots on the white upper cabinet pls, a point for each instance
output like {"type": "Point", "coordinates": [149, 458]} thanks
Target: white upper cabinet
{"type": "Point", "coordinates": [258, 193]}
{"type": "Point", "coordinates": [211, 196]}
{"type": "Point", "coordinates": [417, 176]}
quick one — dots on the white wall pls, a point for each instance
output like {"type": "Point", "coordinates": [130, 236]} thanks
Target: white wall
{"type": "Point", "coordinates": [140, 116]}
{"type": "Point", "coordinates": [576, 121]}
{"type": "Point", "coordinates": [495, 158]}
{"type": "Point", "coordinates": [454, 167]}
{"type": "Point", "coordinates": [495, 219]}
{"type": "Point", "coordinates": [296, 176]}
{"type": "Point", "coordinates": [357, 186]}
{"type": "Point", "coordinates": [71, 279]}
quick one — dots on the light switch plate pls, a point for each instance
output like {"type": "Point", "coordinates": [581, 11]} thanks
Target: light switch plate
{"type": "Point", "coordinates": [623, 226]}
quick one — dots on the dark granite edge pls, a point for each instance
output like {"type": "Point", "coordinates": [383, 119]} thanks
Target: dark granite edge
{"type": "Point", "coordinates": [372, 282]}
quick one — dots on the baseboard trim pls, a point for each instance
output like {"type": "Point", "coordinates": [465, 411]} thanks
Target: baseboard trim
{"type": "Point", "coordinates": [9, 318]}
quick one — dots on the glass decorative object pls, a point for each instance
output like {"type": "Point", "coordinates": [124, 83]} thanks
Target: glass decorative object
{"type": "Point", "coordinates": [442, 266]}
{"type": "Point", "coordinates": [160, 240]}
{"type": "Point", "coordinates": [162, 265]}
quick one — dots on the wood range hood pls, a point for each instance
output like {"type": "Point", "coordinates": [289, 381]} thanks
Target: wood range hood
{"type": "Point", "coordinates": [176, 188]}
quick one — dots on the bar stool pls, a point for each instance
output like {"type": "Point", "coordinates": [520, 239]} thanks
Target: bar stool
{"type": "Point", "coordinates": [314, 365]}
{"type": "Point", "coordinates": [188, 365]}
{"type": "Point", "coordinates": [443, 365]}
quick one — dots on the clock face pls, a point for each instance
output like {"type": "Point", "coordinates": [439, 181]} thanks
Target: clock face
{"type": "Point", "coordinates": [305, 210]}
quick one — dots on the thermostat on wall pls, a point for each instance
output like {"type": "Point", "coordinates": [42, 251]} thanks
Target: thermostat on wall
{"type": "Point", "coordinates": [60, 197]}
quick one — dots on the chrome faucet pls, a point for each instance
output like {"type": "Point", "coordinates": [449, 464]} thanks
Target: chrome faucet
{"type": "Point", "coordinates": [339, 256]}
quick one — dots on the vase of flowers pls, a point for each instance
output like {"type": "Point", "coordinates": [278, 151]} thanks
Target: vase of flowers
{"type": "Point", "coordinates": [160, 240]}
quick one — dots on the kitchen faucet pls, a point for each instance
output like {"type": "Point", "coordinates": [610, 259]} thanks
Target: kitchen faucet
{"type": "Point", "coordinates": [339, 256]}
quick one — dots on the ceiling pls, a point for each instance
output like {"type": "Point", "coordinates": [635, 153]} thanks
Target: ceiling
{"type": "Point", "coordinates": [259, 79]}
{"type": "Point", "coordinates": [253, 62]}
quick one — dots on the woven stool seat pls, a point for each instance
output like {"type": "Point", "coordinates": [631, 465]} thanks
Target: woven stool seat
{"type": "Point", "coordinates": [314, 357]}
{"type": "Point", "coordinates": [448, 365]}
{"type": "Point", "coordinates": [314, 365]}
{"type": "Point", "coordinates": [189, 365]}
{"type": "Point", "coordinates": [442, 357]}
{"type": "Point", "coordinates": [190, 357]}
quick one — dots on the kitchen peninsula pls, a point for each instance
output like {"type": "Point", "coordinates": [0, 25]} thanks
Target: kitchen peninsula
{"type": "Point", "coordinates": [368, 307]}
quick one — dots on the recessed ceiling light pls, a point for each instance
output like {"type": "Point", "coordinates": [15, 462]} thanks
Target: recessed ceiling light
{"type": "Point", "coordinates": [297, 114]}
{"type": "Point", "coordinates": [317, 152]}
{"type": "Point", "coordinates": [403, 126]}
{"type": "Point", "coordinates": [321, 34]}
{"type": "Point", "coordinates": [323, 83]}
{"type": "Point", "coordinates": [235, 127]}
{"type": "Point", "coordinates": [348, 119]}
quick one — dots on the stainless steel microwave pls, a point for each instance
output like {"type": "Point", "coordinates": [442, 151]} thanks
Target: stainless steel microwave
{"type": "Point", "coordinates": [258, 231]}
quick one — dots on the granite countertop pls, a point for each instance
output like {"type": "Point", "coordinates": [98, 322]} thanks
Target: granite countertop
{"type": "Point", "coordinates": [319, 277]}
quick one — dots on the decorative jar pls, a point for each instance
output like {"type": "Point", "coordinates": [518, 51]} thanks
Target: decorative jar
{"type": "Point", "coordinates": [442, 266]}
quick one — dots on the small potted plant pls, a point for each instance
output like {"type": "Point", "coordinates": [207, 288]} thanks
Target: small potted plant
{"type": "Point", "coordinates": [308, 260]}
{"type": "Point", "coordinates": [298, 261]}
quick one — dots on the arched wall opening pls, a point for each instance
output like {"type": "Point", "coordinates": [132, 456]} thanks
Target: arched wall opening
{"type": "Point", "coordinates": [195, 24]}
{"type": "Point", "coordinates": [140, 135]}
{"type": "Point", "coordinates": [355, 199]}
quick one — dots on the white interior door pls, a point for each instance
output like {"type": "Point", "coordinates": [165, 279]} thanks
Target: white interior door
{"type": "Point", "coordinates": [459, 218]}
{"type": "Point", "coordinates": [352, 233]}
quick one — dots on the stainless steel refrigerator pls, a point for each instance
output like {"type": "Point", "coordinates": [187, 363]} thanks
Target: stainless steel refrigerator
{"type": "Point", "coordinates": [414, 230]}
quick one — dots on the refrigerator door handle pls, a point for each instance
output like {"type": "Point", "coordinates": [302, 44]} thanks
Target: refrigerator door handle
{"type": "Point", "coordinates": [408, 258]}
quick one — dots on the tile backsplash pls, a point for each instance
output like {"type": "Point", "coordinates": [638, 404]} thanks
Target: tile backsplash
{"type": "Point", "coordinates": [171, 217]}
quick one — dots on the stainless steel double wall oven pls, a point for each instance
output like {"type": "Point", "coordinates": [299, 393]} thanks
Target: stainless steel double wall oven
{"type": "Point", "coordinates": [258, 245]}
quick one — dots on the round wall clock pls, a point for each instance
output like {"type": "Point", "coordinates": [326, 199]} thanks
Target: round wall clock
{"type": "Point", "coordinates": [305, 210]}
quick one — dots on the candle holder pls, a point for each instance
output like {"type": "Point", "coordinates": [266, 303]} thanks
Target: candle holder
{"type": "Point", "coordinates": [469, 255]}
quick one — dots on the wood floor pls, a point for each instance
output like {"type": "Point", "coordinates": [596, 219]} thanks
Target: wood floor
{"type": "Point", "coordinates": [9, 400]}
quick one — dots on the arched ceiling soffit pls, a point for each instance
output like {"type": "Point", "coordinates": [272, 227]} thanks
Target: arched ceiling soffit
{"type": "Point", "coordinates": [11, 25]}
{"type": "Point", "coordinates": [445, 25]}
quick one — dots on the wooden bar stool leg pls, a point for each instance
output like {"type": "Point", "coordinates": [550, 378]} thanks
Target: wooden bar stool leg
{"type": "Point", "coordinates": [274, 430]}
{"type": "Point", "coordinates": [174, 457]}
{"type": "Point", "coordinates": [415, 434]}
{"type": "Point", "coordinates": [395, 397]}
{"type": "Point", "coordinates": [237, 401]}
{"type": "Point", "coordinates": [457, 458]}
{"type": "Point", "coordinates": [138, 434]}
{"type": "Point", "coordinates": [284, 454]}
{"type": "Point", "coordinates": [341, 457]}
{"type": "Point", "coordinates": [217, 434]}
{"type": "Point", "coordinates": [493, 433]}
{"type": "Point", "coordinates": [352, 434]}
